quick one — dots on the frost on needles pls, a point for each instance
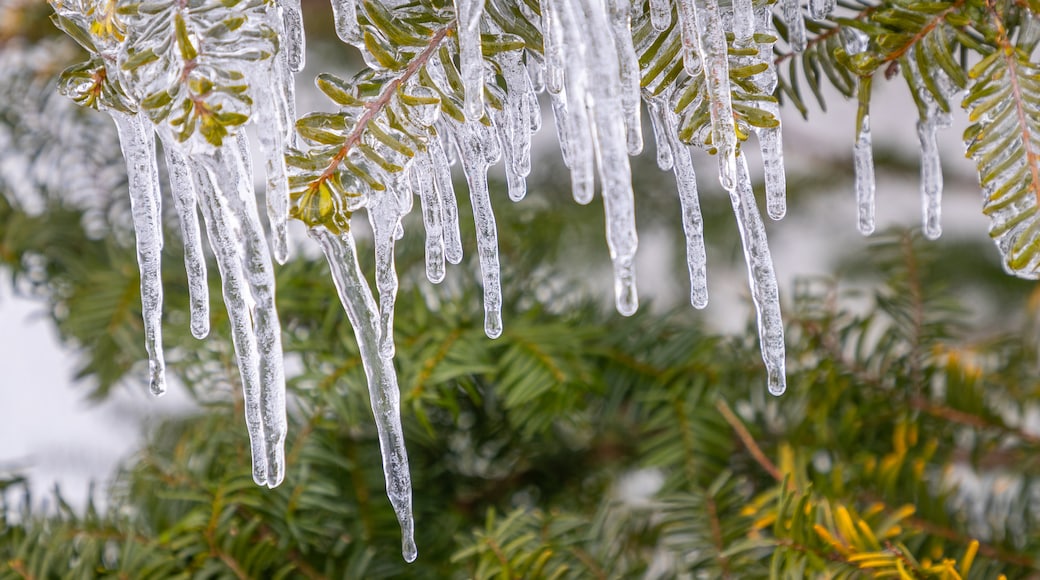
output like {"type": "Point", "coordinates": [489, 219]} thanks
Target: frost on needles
{"type": "Point", "coordinates": [460, 83]}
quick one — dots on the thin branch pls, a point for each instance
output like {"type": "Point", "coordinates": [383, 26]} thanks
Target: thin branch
{"type": "Point", "coordinates": [747, 439]}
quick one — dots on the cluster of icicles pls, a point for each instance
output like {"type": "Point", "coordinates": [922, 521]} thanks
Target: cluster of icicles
{"type": "Point", "coordinates": [591, 74]}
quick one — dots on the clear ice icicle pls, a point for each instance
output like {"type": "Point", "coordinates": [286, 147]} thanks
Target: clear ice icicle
{"type": "Point", "coordinates": [770, 140]}
{"type": "Point", "coordinates": [384, 214]}
{"type": "Point", "coordinates": [576, 134]}
{"type": "Point", "coordinates": [792, 12]}
{"type": "Point", "coordinates": [660, 14]}
{"type": "Point", "coordinates": [762, 279]}
{"type": "Point", "coordinates": [931, 170]}
{"type": "Point", "coordinates": [513, 122]}
{"type": "Point", "coordinates": [743, 21]}
{"type": "Point", "coordinates": [344, 15]}
{"type": "Point", "coordinates": [715, 53]}
{"type": "Point", "coordinates": [552, 41]}
{"type": "Point", "coordinates": [294, 40]}
{"type": "Point", "coordinates": [819, 9]}
{"type": "Point", "coordinates": [863, 162]}
{"type": "Point", "coordinates": [476, 155]}
{"type": "Point", "coordinates": [621, 25]}
{"type": "Point", "coordinates": [471, 60]}
{"type": "Point", "coordinates": [611, 156]}
{"type": "Point", "coordinates": [137, 140]}
{"type": "Point", "coordinates": [688, 28]}
{"type": "Point", "coordinates": [422, 174]}
{"type": "Point", "coordinates": [194, 259]}
{"type": "Point", "coordinates": [692, 220]}
{"type": "Point", "coordinates": [449, 205]}
{"type": "Point", "coordinates": [657, 110]}
{"type": "Point", "coordinates": [271, 117]}
{"type": "Point", "coordinates": [383, 390]}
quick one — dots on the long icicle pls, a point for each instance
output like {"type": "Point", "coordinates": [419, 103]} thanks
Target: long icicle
{"type": "Point", "coordinates": [692, 220]}
{"type": "Point", "coordinates": [449, 205]}
{"type": "Point", "coordinates": [236, 182]}
{"type": "Point", "coordinates": [621, 26]}
{"type": "Point", "coordinates": [384, 215]}
{"type": "Point", "coordinates": [471, 60]}
{"type": "Point", "coordinates": [422, 174]}
{"type": "Point", "coordinates": [715, 53]}
{"type": "Point", "coordinates": [185, 200]}
{"type": "Point", "coordinates": [762, 279]}
{"type": "Point", "coordinates": [383, 390]}
{"type": "Point", "coordinates": [137, 140]}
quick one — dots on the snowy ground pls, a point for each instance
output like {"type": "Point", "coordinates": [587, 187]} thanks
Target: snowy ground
{"type": "Point", "coordinates": [50, 433]}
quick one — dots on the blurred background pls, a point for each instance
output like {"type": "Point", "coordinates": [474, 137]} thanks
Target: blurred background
{"type": "Point", "coordinates": [64, 423]}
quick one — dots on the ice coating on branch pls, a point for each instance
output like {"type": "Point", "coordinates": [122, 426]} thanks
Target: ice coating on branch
{"type": "Point", "coordinates": [383, 390]}
{"type": "Point", "coordinates": [660, 14]}
{"type": "Point", "coordinates": [715, 53]}
{"type": "Point", "coordinates": [223, 184]}
{"type": "Point", "coordinates": [795, 24]}
{"type": "Point", "coordinates": [690, 33]}
{"type": "Point", "coordinates": [863, 160]}
{"type": "Point", "coordinates": [931, 171]}
{"type": "Point", "coordinates": [137, 140]}
{"type": "Point", "coordinates": [184, 200]}
{"type": "Point", "coordinates": [384, 214]}
{"type": "Point", "coordinates": [344, 14]}
{"type": "Point", "coordinates": [478, 149]}
{"type": "Point", "coordinates": [621, 25]}
{"type": "Point", "coordinates": [615, 174]}
{"type": "Point", "coordinates": [820, 9]}
{"type": "Point", "coordinates": [657, 110]}
{"type": "Point", "coordinates": [762, 279]}
{"type": "Point", "coordinates": [293, 39]}
{"type": "Point", "coordinates": [471, 61]}
{"type": "Point", "coordinates": [692, 221]}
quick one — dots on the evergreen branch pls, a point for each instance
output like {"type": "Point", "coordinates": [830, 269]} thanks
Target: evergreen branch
{"type": "Point", "coordinates": [987, 550]}
{"type": "Point", "coordinates": [937, 20]}
{"type": "Point", "coordinates": [821, 38]}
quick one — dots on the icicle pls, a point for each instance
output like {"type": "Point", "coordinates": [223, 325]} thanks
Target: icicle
{"type": "Point", "coordinates": [384, 214]}
{"type": "Point", "coordinates": [795, 25]}
{"type": "Point", "coordinates": [514, 123]}
{"type": "Point", "coordinates": [660, 14]}
{"type": "Point", "coordinates": [553, 42]}
{"type": "Point", "coordinates": [476, 153]}
{"type": "Point", "coordinates": [863, 155]}
{"type": "Point", "coordinates": [471, 60]}
{"type": "Point", "coordinates": [621, 25]}
{"type": "Point", "coordinates": [770, 140]}
{"type": "Point", "coordinates": [224, 187]}
{"type": "Point", "coordinates": [658, 120]}
{"type": "Point", "coordinates": [137, 140]}
{"type": "Point", "coordinates": [293, 39]}
{"type": "Point", "coordinates": [271, 132]}
{"type": "Point", "coordinates": [931, 170]}
{"type": "Point", "coordinates": [715, 52]}
{"type": "Point", "coordinates": [692, 221]}
{"type": "Point", "coordinates": [536, 71]}
{"type": "Point", "coordinates": [422, 174]}
{"type": "Point", "coordinates": [690, 33]}
{"type": "Point", "coordinates": [194, 259]}
{"type": "Point", "coordinates": [446, 193]}
{"type": "Point", "coordinates": [611, 156]}
{"type": "Point", "coordinates": [819, 9]}
{"type": "Point", "coordinates": [743, 21]}
{"type": "Point", "coordinates": [382, 379]}
{"type": "Point", "coordinates": [762, 279]}
{"type": "Point", "coordinates": [344, 13]}
{"type": "Point", "coordinates": [576, 134]}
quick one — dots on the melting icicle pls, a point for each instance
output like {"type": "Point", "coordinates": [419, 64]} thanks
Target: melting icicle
{"type": "Point", "coordinates": [660, 14]}
{"type": "Point", "coordinates": [658, 120]}
{"type": "Point", "coordinates": [553, 42]}
{"type": "Point", "coordinates": [446, 192]}
{"type": "Point", "coordinates": [471, 61]}
{"type": "Point", "coordinates": [770, 140]}
{"type": "Point", "coordinates": [612, 158]}
{"type": "Point", "coordinates": [293, 39]}
{"type": "Point", "coordinates": [693, 222]}
{"type": "Point", "coordinates": [576, 134]}
{"type": "Point", "coordinates": [383, 390]}
{"type": "Point", "coordinates": [689, 33]}
{"type": "Point", "coordinates": [931, 170]}
{"type": "Point", "coordinates": [477, 152]}
{"type": "Point", "coordinates": [819, 9]}
{"type": "Point", "coordinates": [422, 174]}
{"type": "Point", "coordinates": [271, 115]}
{"type": "Point", "coordinates": [621, 25]}
{"type": "Point", "coordinates": [863, 158]}
{"type": "Point", "coordinates": [762, 279]}
{"type": "Point", "coordinates": [344, 13]}
{"type": "Point", "coordinates": [715, 52]}
{"type": "Point", "coordinates": [514, 123]}
{"type": "Point", "coordinates": [795, 25]}
{"type": "Point", "coordinates": [743, 21]}
{"type": "Point", "coordinates": [137, 140]}
{"type": "Point", "coordinates": [194, 258]}
{"type": "Point", "coordinates": [384, 214]}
